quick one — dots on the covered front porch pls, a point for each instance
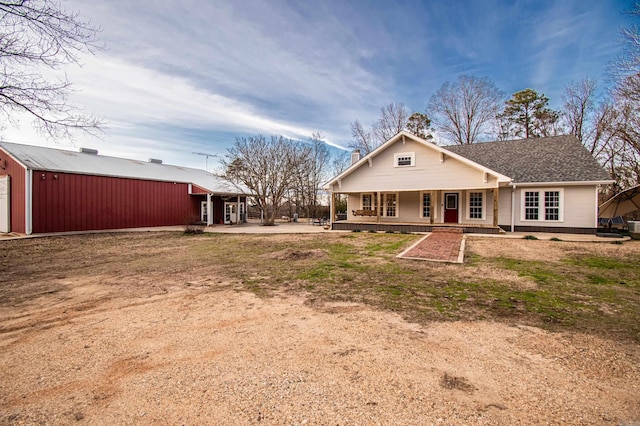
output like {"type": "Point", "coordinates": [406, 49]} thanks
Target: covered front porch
{"type": "Point", "coordinates": [218, 209]}
{"type": "Point", "coordinates": [474, 210]}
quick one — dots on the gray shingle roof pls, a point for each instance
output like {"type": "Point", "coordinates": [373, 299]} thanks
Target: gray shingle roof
{"type": "Point", "coordinates": [552, 159]}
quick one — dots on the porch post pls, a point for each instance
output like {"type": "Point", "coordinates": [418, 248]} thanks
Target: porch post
{"type": "Point", "coordinates": [496, 194]}
{"type": "Point", "coordinates": [209, 210]}
{"type": "Point", "coordinates": [433, 204]}
{"type": "Point", "coordinates": [238, 210]}
{"type": "Point", "coordinates": [378, 207]}
{"type": "Point", "coordinates": [513, 205]}
{"type": "Point", "coordinates": [332, 207]}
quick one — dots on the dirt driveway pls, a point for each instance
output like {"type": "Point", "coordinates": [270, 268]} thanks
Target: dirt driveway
{"type": "Point", "coordinates": [108, 346]}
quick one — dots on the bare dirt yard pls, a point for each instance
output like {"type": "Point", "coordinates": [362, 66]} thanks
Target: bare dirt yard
{"type": "Point", "coordinates": [165, 328]}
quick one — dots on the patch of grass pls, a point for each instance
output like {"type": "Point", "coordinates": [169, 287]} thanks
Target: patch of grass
{"type": "Point", "coordinates": [555, 239]}
{"type": "Point", "coordinates": [530, 237]}
{"type": "Point", "coordinates": [566, 293]}
{"type": "Point", "coordinates": [599, 262]}
{"type": "Point", "coordinates": [385, 246]}
{"type": "Point", "coordinates": [392, 289]}
{"type": "Point", "coordinates": [597, 279]}
{"type": "Point", "coordinates": [538, 270]}
{"type": "Point", "coordinates": [583, 288]}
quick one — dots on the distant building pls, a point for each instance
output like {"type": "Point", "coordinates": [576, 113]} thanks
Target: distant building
{"type": "Point", "coordinates": [52, 190]}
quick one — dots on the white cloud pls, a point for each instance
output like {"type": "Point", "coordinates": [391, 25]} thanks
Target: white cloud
{"type": "Point", "coordinates": [190, 75]}
{"type": "Point", "coordinates": [130, 95]}
{"type": "Point", "coordinates": [259, 52]}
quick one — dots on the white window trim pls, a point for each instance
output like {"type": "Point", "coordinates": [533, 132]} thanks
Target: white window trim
{"type": "Point", "coordinates": [484, 204]}
{"type": "Point", "coordinates": [443, 200]}
{"type": "Point", "coordinates": [373, 200]}
{"type": "Point", "coordinates": [433, 207]}
{"type": "Point", "coordinates": [411, 155]}
{"type": "Point", "coordinates": [541, 205]}
{"type": "Point", "coordinates": [383, 201]}
{"type": "Point", "coordinates": [204, 211]}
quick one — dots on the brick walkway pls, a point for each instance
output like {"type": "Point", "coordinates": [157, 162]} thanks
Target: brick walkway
{"type": "Point", "coordinates": [442, 245]}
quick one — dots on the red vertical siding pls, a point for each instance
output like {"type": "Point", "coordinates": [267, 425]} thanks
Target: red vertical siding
{"type": "Point", "coordinates": [9, 166]}
{"type": "Point", "coordinates": [72, 202]}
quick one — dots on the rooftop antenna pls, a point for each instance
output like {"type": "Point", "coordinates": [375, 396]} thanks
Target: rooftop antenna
{"type": "Point", "coordinates": [206, 161]}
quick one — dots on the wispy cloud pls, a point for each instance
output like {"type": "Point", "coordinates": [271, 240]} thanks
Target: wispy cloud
{"type": "Point", "coordinates": [191, 75]}
{"type": "Point", "coordinates": [256, 52]}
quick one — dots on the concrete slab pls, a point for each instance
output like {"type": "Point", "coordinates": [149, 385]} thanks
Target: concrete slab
{"type": "Point", "coordinates": [245, 228]}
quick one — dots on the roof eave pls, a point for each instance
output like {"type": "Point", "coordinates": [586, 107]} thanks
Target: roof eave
{"type": "Point", "coordinates": [566, 183]}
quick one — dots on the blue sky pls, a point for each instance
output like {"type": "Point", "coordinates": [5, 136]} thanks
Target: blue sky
{"type": "Point", "coordinates": [179, 77]}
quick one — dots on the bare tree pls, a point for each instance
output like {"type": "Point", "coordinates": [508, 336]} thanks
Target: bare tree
{"type": "Point", "coordinates": [362, 139]}
{"type": "Point", "coordinates": [626, 97]}
{"type": "Point", "coordinates": [266, 167]}
{"type": "Point", "coordinates": [593, 124]}
{"type": "Point", "coordinates": [393, 119]}
{"type": "Point", "coordinates": [629, 61]}
{"type": "Point", "coordinates": [340, 162]}
{"type": "Point", "coordinates": [465, 112]}
{"type": "Point", "coordinates": [579, 103]}
{"type": "Point", "coordinates": [624, 158]}
{"type": "Point", "coordinates": [619, 134]}
{"type": "Point", "coordinates": [310, 173]}
{"type": "Point", "coordinates": [36, 34]}
{"type": "Point", "coordinates": [603, 129]}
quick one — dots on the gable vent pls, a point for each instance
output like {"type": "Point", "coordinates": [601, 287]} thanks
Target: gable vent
{"type": "Point", "coordinates": [89, 151]}
{"type": "Point", "coordinates": [155, 160]}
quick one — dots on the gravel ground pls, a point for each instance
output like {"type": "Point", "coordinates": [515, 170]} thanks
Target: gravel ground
{"type": "Point", "coordinates": [205, 353]}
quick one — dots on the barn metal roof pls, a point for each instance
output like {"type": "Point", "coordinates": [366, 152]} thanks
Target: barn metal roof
{"type": "Point", "coordinates": [64, 161]}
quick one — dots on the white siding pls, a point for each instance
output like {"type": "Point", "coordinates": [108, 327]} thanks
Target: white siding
{"type": "Point", "coordinates": [578, 205]}
{"type": "Point", "coordinates": [427, 173]}
{"type": "Point", "coordinates": [504, 206]}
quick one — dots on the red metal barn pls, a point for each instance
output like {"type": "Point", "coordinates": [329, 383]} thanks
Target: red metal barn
{"type": "Point", "coordinates": [51, 190]}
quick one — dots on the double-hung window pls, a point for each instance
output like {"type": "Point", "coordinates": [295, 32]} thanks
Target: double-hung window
{"type": "Point", "coordinates": [390, 205]}
{"type": "Point", "coordinates": [542, 205]}
{"type": "Point", "coordinates": [475, 205]}
{"type": "Point", "coordinates": [367, 202]}
{"type": "Point", "coordinates": [531, 205]}
{"type": "Point", "coordinates": [552, 205]}
{"type": "Point", "coordinates": [426, 204]}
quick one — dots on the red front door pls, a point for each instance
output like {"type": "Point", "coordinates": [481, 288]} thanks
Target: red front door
{"type": "Point", "coordinates": [451, 208]}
